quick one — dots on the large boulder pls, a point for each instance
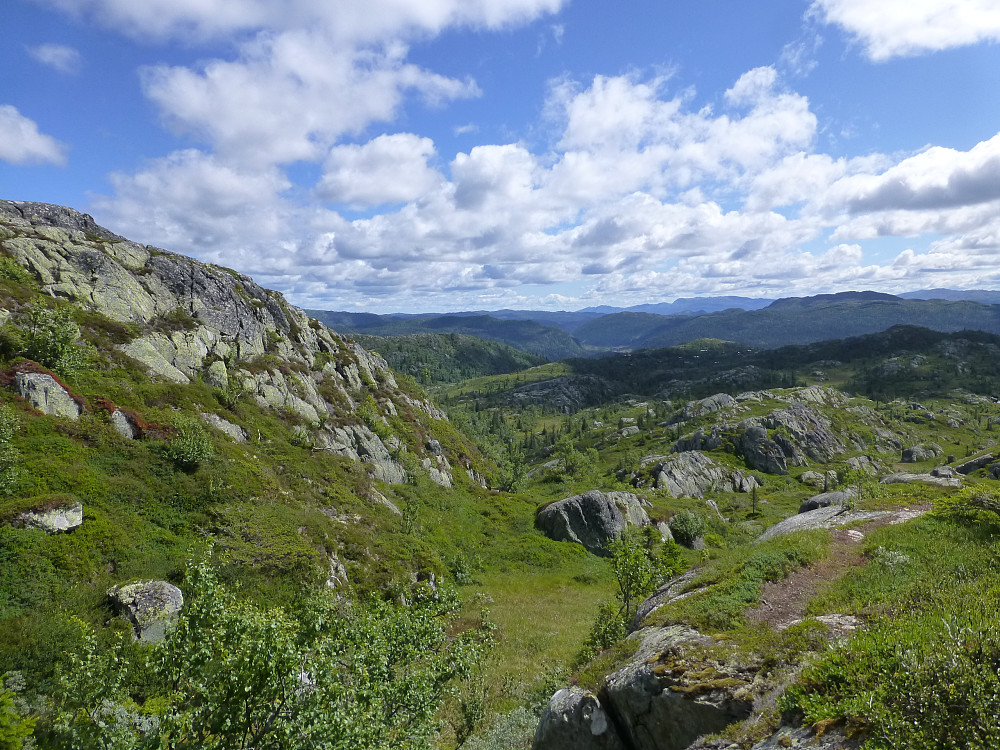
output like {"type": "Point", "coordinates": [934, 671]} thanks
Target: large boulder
{"type": "Point", "coordinates": [904, 478]}
{"type": "Point", "coordinates": [695, 409]}
{"type": "Point", "coordinates": [973, 464]}
{"type": "Point", "coordinates": [668, 695]}
{"type": "Point", "coordinates": [826, 499]}
{"type": "Point", "coordinates": [833, 516]}
{"type": "Point", "coordinates": [45, 393]}
{"type": "Point", "coordinates": [593, 519]}
{"type": "Point", "coordinates": [53, 520]}
{"type": "Point", "coordinates": [922, 452]}
{"type": "Point", "coordinates": [692, 474]}
{"type": "Point", "coordinates": [151, 606]}
{"type": "Point", "coordinates": [575, 720]}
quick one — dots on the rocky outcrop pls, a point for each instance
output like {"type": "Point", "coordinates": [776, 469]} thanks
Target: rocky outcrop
{"type": "Point", "coordinates": [816, 479]}
{"type": "Point", "coordinates": [593, 519]}
{"type": "Point", "coordinates": [976, 463]}
{"type": "Point", "coordinates": [574, 718]}
{"type": "Point", "coordinates": [191, 320]}
{"type": "Point", "coordinates": [44, 393]}
{"type": "Point", "coordinates": [922, 452]}
{"type": "Point", "coordinates": [903, 478]}
{"type": "Point", "coordinates": [695, 409]}
{"type": "Point", "coordinates": [667, 695]}
{"type": "Point", "coordinates": [761, 452]}
{"type": "Point", "coordinates": [53, 520]}
{"type": "Point", "coordinates": [151, 606]}
{"type": "Point", "coordinates": [700, 440]}
{"type": "Point", "coordinates": [826, 499]}
{"type": "Point", "coordinates": [834, 516]}
{"type": "Point", "coordinates": [692, 474]}
{"type": "Point", "coordinates": [359, 443]}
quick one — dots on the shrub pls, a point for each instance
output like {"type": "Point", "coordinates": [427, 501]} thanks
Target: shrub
{"type": "Point", "coordinates": [687, 526]}
{"type": "Point", "coordinates": [191, 445]}
{"type": "Point", "coordinates": [49, 336]}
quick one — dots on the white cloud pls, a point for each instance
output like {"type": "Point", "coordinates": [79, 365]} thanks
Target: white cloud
{"type": "Point", "coordinates": [22, 143]}
{"type": "Point", "coordinates": [291, 96]}
{"type": "Point", "coordinates": [59, 57]}
{"type": "Point", "coordinates": [191, 202]}
{"type": "Point", "coordinates": [893, 28]}
{"type": "Point", "coordinates": [347, 21]}
{"type": "Point", "coordinates": [388, 169]}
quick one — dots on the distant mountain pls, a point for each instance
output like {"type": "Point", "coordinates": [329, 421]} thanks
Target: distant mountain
{"type": "Point", "coordinates": [984, 296]}
{"type": "Point", "coordinates": [527, 335]}
{"type": "Point", "coordinates": [809, 319]}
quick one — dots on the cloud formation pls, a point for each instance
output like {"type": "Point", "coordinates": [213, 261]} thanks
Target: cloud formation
{"type": "Point", "coordinates": [59, 57]}
{"type": "Point", "coordinates": [22, 143]}
{"type": "Point", "coordinates": [897, 28]}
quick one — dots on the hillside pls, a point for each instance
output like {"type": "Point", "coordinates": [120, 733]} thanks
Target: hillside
{"type": "Point", "coordinates": [447, 357]}
{"type": "Point", "coordinates": [527, 335]}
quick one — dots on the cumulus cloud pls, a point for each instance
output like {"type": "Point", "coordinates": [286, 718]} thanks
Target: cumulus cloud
{"type": "Point", "coordinates": [387, 169]}
{"type": "Point", "coordinates": [59, 57]}
{"type": "Point", "coordinates": [894, 28]}
{"type": "Point", "coordinates": [290, 96]}
{"type": "Point", "coordinates": [22, 143]}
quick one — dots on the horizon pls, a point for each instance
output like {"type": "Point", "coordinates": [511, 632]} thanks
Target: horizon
{"type": "Point", "coordinates": [521, 154]}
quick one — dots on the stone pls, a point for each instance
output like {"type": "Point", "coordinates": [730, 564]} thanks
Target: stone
{"type": "Point", "coordinates": [575, 720]}
{"type": "Point", "coordinates": [593, 519]}
{"type": "Point", "coordinates": [923, 452]}
{"type": "Point", "coordinates": [864, 464]}
{"type": "Point", "coordinates": [664, 700]}
{"type": "Point", "coordinates": [903, 478]}
{"type": "Point", "coordinates": [151, 606]}
{"type": "Point", "coordinates": [53, 520]}
{"type": "Point", "coordinates": [234, 431]}
{"type": "Point", "coordinates": [217, 374]}
{"type": "Point", "coordinates": [975, 463]}
{"type": "Point", "coordinates": [816, 479]}
{"type": "Point", "coordinates": [943, 471]}
{"type": "Point", "coordinates": [628, 431]}
{"type": "Point", "coordinates": [337, 576]}
{"type": "Point", "coordinates": [125, 425]}
{"type": "Point", "coordinates": [826, 499]}
{"type": "Point", "coordinates": [44, 393]}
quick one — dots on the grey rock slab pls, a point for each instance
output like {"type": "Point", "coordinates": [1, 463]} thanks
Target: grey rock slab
{"type": "Point", "coordinates": [151, 606]}
{"type": "Point", "coordinates": [975, 463]}
{"type": "Point", "coordinates": [834, 516]}
{"type": "Point", "coordinates": [575, 720]}
{"type": "Point", "coordinates": [45, 394]}
{"type": "Point", "coordinates": [54, 520]}
{"type": "Point", "coordinates": [904, 478]}
{"type": "Point", "coordinates": [234, 431]}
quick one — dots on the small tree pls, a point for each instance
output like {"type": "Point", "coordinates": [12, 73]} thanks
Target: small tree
{"type": "Point", "coordinates": [191, 445]}
{"type": "Point", "coordinates": [49, 338]}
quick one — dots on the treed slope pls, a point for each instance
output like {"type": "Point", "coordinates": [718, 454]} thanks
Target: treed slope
{"type": "Point", "coordinates": [447, 357]}
{"type": "Point", "coordinates": [527, 335]}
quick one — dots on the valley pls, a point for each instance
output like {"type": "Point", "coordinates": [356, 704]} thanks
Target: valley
{"type": "Point", "coordinates": [225, 524]}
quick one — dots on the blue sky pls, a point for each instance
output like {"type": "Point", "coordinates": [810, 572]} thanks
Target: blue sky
{"type": "Point", "coordinates": [433, 155]}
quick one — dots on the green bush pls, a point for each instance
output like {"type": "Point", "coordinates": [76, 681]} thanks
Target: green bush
{"type": "Point", "coordinates": [48, 336]}
{"type": "Point", "coordinates": [686, 527]}
{"type": "Point", "coordinates": [191, 445]}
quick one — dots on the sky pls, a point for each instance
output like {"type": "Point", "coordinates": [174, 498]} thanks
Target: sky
{"type": "Point", "coordinates": [442, 155]}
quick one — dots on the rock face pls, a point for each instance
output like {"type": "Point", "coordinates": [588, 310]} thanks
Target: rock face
{"type": "Point", "coordinates": [125, 425]}
{"type": "Point", "coordinates": [692, 474]}
{"type": "Point", "coordinates": [593, 519]}
{"type": "Point", "coordinates": [710, 405]}
{"type": "Point", "coordinates": [196, 320]}
{"type": "Point", "coordinates": [45, 394]}
{"type": "Point", "coordinates": [762, 453]}
{"type": "Point", "coordinates": [54, 520]}
{"type": "Point", "coordinates": [903, 478]}
{"type": "Point", "coordinates": [151, 606]}
{"type": "Point", "coordinates": [788, 437]}
{"type": "Point", "coordinates": [574, 718]}
{"type": "Point", "coordinates": [923, 452]}
{"type": "Point", "coordinates": [234, 431]}
{"type": "Point", "coordinates": [975, 463]}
